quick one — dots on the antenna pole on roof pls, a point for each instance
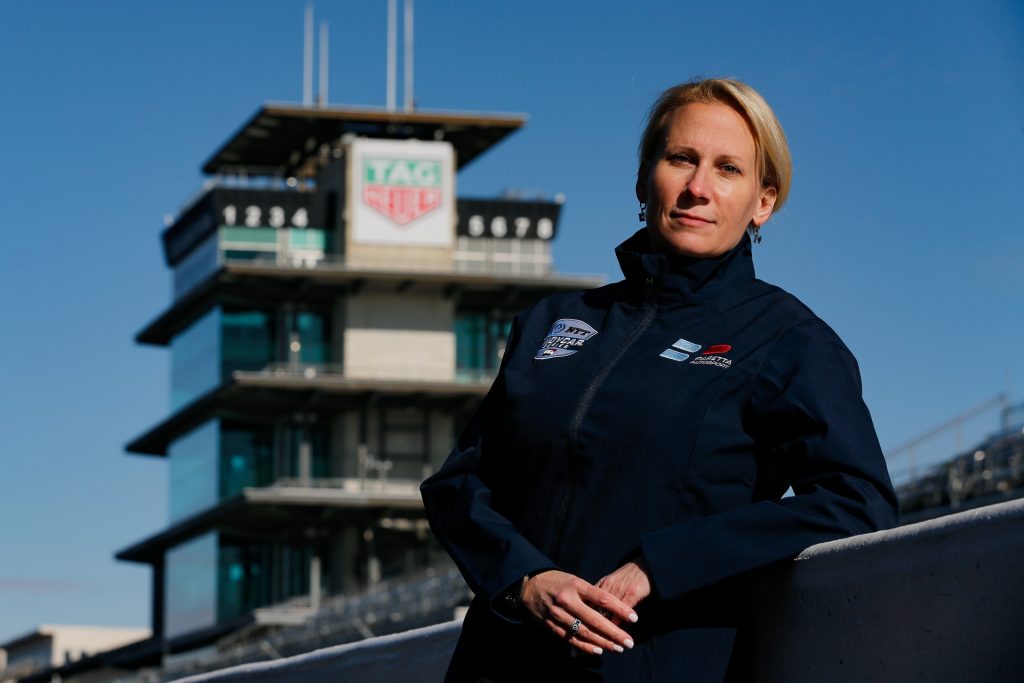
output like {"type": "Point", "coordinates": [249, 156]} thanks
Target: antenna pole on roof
{"type": "Point", "coordinates": [322, 94]}
{"type": "Point", "coordinates": [392, 56]}
{"type": "Point", "coordinates": [407, 76]}
{"type": "Point", "coordinates": [307, 58]}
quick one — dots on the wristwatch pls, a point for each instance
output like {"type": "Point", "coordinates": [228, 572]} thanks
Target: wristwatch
{"type": "Point", "coordinates": [513, 597]}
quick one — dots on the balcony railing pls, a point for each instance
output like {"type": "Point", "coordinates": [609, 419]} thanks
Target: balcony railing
{"type": "Point", "coordinates": [502, 264]}
{"type": "Point", "coordinates": [352, 484]}
{"type": "Point", "coordinates": [375, 372]}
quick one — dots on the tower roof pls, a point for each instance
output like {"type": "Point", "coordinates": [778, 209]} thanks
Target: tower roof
{"type": "Point", "coordinates": [279, 138]}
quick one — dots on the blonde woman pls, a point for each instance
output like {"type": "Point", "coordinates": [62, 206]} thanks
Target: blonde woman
{"type": "Point", "coordinates": [625, 474]}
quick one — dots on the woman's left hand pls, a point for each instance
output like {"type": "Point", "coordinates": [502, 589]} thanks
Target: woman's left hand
{"type": "Point", "coordinates": [630, 583]}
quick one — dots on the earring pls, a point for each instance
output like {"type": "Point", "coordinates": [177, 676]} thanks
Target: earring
{"type": "Point", "coordinates": [642, 215]}
{"type": "Point", "coordinates": [756, 230]}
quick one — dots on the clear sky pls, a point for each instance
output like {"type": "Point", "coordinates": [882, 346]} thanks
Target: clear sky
{"type": "Point", "coordinates": [903, 230]}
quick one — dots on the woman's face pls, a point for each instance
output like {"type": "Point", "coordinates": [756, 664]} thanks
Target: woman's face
{"type": "Point", "coordinates": [701, 187]}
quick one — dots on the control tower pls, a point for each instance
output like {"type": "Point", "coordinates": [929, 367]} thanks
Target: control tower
{"type": "Point", "coordinates": [338, 311]}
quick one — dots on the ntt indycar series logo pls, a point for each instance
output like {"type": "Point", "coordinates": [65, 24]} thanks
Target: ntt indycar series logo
{"type": "Point", "coordinates": [566, 337]}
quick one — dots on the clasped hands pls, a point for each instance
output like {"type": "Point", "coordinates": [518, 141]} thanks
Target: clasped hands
{"type": "Point", "coordinates": [558, 599]}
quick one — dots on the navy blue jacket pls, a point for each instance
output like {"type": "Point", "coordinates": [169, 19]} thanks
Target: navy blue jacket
{"type": "Point", "coordinates": [666, 415]}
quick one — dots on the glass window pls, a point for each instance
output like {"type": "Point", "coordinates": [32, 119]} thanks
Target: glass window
{"type": "Point", "coordinates": [480, 341]}
{"type": "Point", "coordinates": [235, 238]}
{"type": "Point", "coordinates": [194, 360]}
{"type": "Point", "coordinates": [312, 331]}
{"type": "Point", "coordinates": [248, 340]}
{"type": "Point", "coordinates": [190, 598]}
{"type": "Point", "coordinates": [196, 267]}
{"type": "Point", "coordinates": [193, 471]}
{"type": "Point", "coordinates": [308, 238]}
{"type": "Point", "coordinates": [251, 575]}
{"type": "Point", "coordinates": [470, 341]}
{"type": "Point", "coordinates": [246, 457]}
{"type": "Point", "coordinates": [247, 255]}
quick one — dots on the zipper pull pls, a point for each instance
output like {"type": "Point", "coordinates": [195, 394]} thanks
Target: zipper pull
{"type": "Point", "coordinates": [649, 289]}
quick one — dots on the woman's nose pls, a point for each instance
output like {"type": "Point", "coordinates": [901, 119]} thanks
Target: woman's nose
{"type": "Point", "coordinates": [699, 183]}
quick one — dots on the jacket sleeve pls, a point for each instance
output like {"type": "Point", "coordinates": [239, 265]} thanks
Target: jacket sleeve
{"type": "Point", "coordinates": [491, 554]}
{"type": "Point", "coordinates": [811, 426]}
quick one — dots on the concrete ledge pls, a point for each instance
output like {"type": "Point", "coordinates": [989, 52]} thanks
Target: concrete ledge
{"type": "Point", "coordinates": [941, 600]}
{"type": "Point", "coordinates": [420, 655]}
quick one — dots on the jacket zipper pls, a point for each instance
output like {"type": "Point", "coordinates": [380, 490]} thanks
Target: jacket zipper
{"type": "Point", "coordinates": [650, 308]}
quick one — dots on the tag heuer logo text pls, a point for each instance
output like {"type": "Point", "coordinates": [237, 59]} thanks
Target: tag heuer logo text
{"type": "Point", "coordinates": [402, 189]}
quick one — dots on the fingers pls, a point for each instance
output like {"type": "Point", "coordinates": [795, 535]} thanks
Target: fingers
{"type": "Point", "coordinates": [630, 583]}
{"type": "Point", "coordinates": [605, 602]}
{"type": "Point", "coordinates": [580, 635]}
{"type": "Point", "coordinates": [602, 632]}
{"type": "Point", "coordinates": [560, 600]}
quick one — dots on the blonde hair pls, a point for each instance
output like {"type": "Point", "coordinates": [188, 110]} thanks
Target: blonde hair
{"type": "Point", "coordinates": [774, 165]}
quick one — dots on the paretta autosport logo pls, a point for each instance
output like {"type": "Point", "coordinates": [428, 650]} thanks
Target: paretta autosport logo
{"type": "Point", "coordinates": [682, 349]}
{"type": "Point", "coordinates": [714, 355]}
{"type": "Point", "coordinates": [402, 189]}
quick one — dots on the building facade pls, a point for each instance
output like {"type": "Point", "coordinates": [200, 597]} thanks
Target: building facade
{"type": "Point", "coordinates": [338, 311]}
{"type": "Point", "coordinates": [37, 654]}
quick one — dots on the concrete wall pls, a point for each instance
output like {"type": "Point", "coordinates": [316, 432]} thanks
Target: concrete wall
{"type": "Point", "coordinates": [937, 601]}
{"type": "Point", "coordinates": [399, 336]}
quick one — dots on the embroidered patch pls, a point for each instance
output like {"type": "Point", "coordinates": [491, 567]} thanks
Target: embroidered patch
{"type": "Point", "coordinates": [681, 350]}
{"type": "Point", "coordinates": [714, 355]}
{"type": "Point", "coordinates": [676, 351]}
{"type": "Point", "coordinates": [566, 337]}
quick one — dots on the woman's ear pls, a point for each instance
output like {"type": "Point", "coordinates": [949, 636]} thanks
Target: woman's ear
{"type": "Point", "coordinates": [764, 207]}
{"type": "Point", "coordinates": [641, 185]}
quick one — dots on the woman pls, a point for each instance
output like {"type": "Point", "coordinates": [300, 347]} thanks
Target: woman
{"type": "Point", "coordinates": [625, 473]}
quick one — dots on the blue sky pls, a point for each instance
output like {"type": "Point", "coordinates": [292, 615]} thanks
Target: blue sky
{"type": "Point", "coordinates": [903, 230]}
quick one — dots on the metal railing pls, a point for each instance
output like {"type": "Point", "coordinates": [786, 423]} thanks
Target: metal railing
{"type": "Point", "coordinates": [506, 265]}
{"type": "Point", "coordinates": [392, 373]}
{"type": "Point", "coordinates": [243, 182]}
{"type": "Point", "coordinates": [351, 484]}
{"type": "Point", "coordinates": [994, 468]}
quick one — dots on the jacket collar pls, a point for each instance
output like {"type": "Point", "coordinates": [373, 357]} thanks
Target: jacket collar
{"type": "Point", "coordinates": [684, 279]}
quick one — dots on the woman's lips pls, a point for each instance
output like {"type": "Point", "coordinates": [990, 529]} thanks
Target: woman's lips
{"type": "Point", "coordinates": [691, 219]}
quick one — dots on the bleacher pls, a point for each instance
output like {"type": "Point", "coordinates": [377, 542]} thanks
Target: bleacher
{"type": "Point", "coordinates": [388, 607]}
{"type": "Point", "coordinates": [991, 472]}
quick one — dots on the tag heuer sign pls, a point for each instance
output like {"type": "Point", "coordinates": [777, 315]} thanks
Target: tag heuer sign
{"type": "Point", "coordinates": [402, 189]}
{"type": "Point", "coordinates": [400, 193]}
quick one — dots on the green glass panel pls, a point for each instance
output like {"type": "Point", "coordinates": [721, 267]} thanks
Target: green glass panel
{"type": "Point", "coordinates": [312, 329]}
{"type": "Point", "coordinates": [241, 236]}
{"type": "Point", "coordinates": [251, 574]}
{"type": "Point", "coordinates": [470, 341]}
{"type": "Point", "coordinates": [246, 457]}
{"type": "Point", "coordinates": [248, 340]}
{"type": "Point", "coordinates": [308, 238]}
{"type": "Point", "coordinates": [478, 340]}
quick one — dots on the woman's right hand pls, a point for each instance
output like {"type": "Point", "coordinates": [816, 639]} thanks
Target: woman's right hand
{"type": "Point", "coordinates": [558, 599]}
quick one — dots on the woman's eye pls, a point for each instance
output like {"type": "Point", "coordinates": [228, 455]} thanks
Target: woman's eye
{"type": "Point", "coordinates": [680, 159]}
{"type": "Point", "coordinates": [730, 169]}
